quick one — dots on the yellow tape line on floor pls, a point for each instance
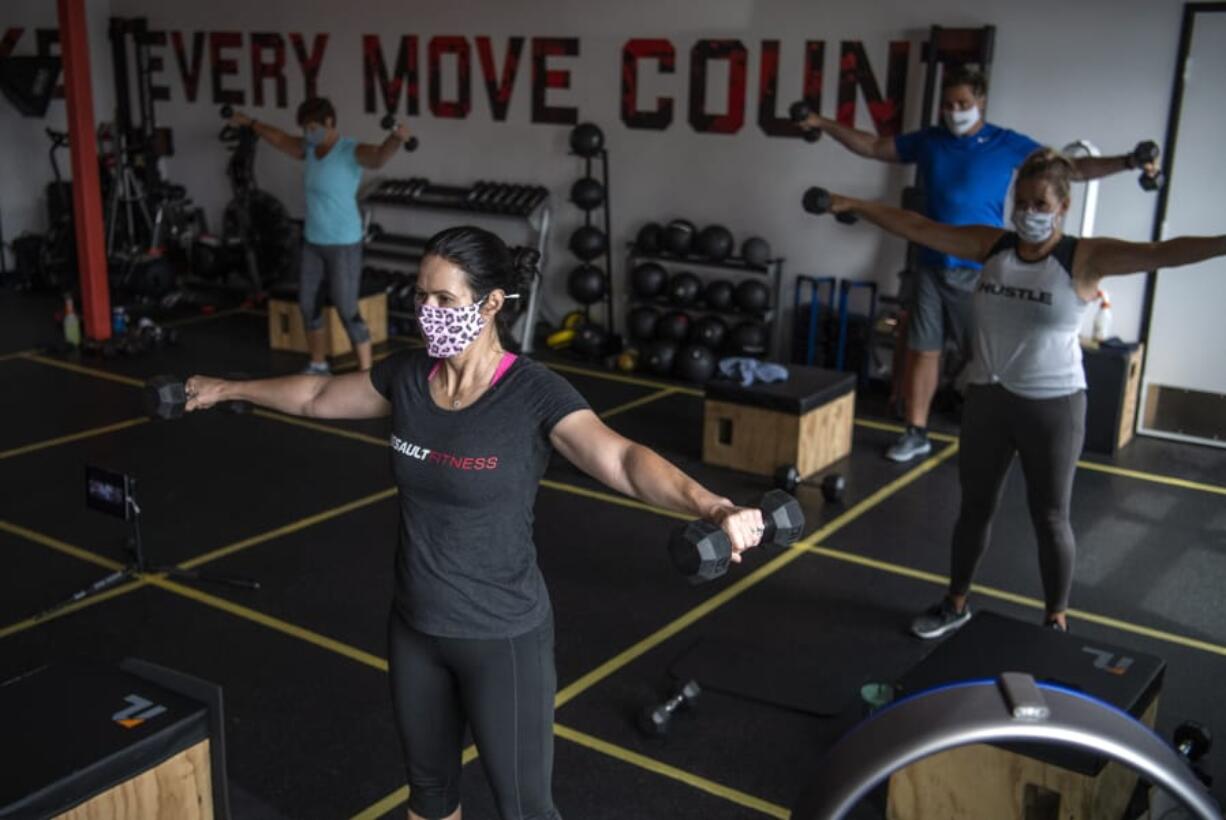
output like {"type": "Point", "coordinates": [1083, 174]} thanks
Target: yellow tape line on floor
{"type": "Point", "coordinates": [71, 437]}
{"type": "Point", "coordinates": [762, 573]}
{"type": "Point", "coordinates": [1021, 600]}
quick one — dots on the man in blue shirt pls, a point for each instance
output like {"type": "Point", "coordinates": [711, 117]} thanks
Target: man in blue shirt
{"type": "Point", "coordinates": [965, 168]}
{"type": "Point", "coordinates": [332, 232]}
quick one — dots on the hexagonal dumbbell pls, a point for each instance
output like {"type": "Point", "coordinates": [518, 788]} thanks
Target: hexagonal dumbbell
{"type": "Point", "coordinates": [701, 551]}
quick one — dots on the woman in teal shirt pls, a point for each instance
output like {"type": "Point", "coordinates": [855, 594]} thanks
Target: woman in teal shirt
{"type": "Point", "coordinates": [332, 235]}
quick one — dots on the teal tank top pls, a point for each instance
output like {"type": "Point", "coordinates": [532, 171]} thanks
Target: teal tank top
{"type": "Point", "coordinates": [331, 184]}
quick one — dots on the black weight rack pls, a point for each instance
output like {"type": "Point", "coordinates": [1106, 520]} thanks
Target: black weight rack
{"type": "Point", "coordinates": [772, 270]}
{"type": "Point", "coordinates": [508, 201]}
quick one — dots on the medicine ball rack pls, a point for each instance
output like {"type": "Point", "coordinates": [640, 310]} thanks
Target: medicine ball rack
{"type": "Point", "coordinates": [707, 268]}
{"type": "Point", "coordinates": [522, 203]}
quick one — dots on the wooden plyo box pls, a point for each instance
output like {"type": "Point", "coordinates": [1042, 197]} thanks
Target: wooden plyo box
{"type": "Point", "coordinates": [287, 331]}
{"type": "Point", "coordinates": [1113, 386]}
{"type": "Point", "coordinates": [805, 421]}
{"type": "Point", "coordinates": [1025, 782]}
{"type": "Point", "coordinates": [180, 787]}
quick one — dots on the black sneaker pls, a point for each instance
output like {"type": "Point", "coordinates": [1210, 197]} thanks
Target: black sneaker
{"type": "Point", "coordinates": [911, 444]}
{"type": "Point", "coordinates": [1054, 624]}
{"type": "Point", "coordinates": [940, 619]}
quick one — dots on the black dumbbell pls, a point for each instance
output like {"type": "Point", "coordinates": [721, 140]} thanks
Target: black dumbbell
{"type": "Point", "coordinates": [527, 195]}
{"type": "Point", "coordinates": [787, 478]}
{"type": "Point", "coordinates": [1145, 153]}
{"type": "Point", "coordinates": [1192, 740]}
{"type": "Point", "coordinates": [492, 192]}
{"type": "Point", "coordinates": [817, 201]}
{"type": "Point", "coordinates": [655, 719]}
{"type": "Point", "coordinates": [165, 397]}
{"type": "Point", "coordinates": [798, 113]}
{"type": "Point", "coordinates": [701, 551]}
{"type": "Point", "coordinates": [506, 195]}
{"type": "Point", "coordinates": [388, 123]}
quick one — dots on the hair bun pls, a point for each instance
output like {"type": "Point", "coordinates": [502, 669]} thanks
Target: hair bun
{"type": "Point", "coordinates": [526, 263]}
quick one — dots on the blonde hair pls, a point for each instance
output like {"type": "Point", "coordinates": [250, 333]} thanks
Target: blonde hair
{"type": "Point", "coordinates": [1050, 166]}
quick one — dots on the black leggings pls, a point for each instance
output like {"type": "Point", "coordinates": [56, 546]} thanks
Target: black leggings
{"type": "Point", "coordinates": [1047, 434]}
{"type": "Point", "coordinates": [503, 688]}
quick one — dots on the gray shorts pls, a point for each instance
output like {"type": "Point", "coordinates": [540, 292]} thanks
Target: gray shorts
{"type": "Point", "coordinates": [941, 307]}
{"type": "Point", "coordinates": [340, 268]}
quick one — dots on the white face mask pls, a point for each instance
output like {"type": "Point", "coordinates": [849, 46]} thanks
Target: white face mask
{"type": "Point", "coordinates": [1035, 227]}
{"type": "Point", "coordinates": [959, 122]}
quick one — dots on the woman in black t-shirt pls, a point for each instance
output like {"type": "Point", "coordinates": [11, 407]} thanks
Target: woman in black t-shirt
{"type": "Point", "coordinates": [471, 631]}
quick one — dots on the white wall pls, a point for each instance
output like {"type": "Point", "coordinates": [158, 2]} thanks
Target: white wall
{"type": "Point", "coordinates": [24, 166]}
{"type": "Point", "coordinates": [1096, 70]}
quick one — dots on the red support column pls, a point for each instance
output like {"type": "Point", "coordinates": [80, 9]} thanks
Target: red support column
{"type": "Point", "coordinates": [86, 191]}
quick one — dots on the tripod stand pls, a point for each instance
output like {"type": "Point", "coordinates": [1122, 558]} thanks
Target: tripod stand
{"type": "Point", "coordinates": [139, 566]}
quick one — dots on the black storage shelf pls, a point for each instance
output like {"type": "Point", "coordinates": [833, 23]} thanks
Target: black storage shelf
{"type": "Point", "coordinates": [773, 270]}
{"type": "Point", "coordinates": [764, 316]}
{"type": "Point", "coordinates": [733, 263]}
{"type": "Point", "coordinates": [444, 206]}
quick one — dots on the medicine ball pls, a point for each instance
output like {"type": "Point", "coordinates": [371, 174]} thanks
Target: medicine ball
{"type": "Point", "coordinates": [649, 280]}
{"type": "Point", "coordinates": [587, 193]}
{"type": "Point", "coordinates": [753, 296]}
{"type": "Point", "coordinates": [756, 251]}
{"type": "Point", "coordinates": [590, 340]}
{"type": "Point", "coordinates": [683, 288]}
{"type": "Point", "coordinates": [709, 331]}
{"type": "Point", "coordinates": [642, 322]}
{"type": "Point", "coordinates": [748, 339]}
{"type": "Point", "coordinates": [715, 242]}
{"type": "Point", "coordinates": [718, 295]}
{"type": "Point", "coordinates": [586, 284]}
{"type": "Point", "coordinates": [648, 239]}
{"type": "Point", "coordinates": [586, 139]}
{"type": "Point", "coordinates": [673, 326]}
{"type": "Point", "coordinates": [588, 242]}
{"type": "Point", "coordinates": [679, 236]}
{"type": "Point", "coordinates": [660, 356]}
{"type": "Point", "coordinates": [696, 363]}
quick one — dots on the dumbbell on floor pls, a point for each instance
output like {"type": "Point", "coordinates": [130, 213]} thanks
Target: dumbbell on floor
{"type": "Point", "coordinates": [1145, 153]}
{"type": "Point", "coordinates": [656, 719]}
{"type": "Point", "coordinates": [701, 551]}
{"type": "Point", "coordinates": [817, 201]}
{"type": "Point", "coordinates": [388, 123]}
{"type": "Point", "coordinates": [801, 111]}
{"type": "Point", "coordinates": [787, 478]}
{"type": "Point", "coordinates": [1192, 740]}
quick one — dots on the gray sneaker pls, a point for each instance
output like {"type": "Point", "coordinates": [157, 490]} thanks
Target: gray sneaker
{"type": "Point", "coordinates": [940, 619]}
{"type": "Point", "coordinates": [912, 443]}
{"type": "Point", "coordinates": [317, 369]}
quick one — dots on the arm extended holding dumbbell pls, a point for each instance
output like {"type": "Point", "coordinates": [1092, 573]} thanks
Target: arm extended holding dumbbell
{"type": "Point", "coordinates": [637, 471]}
{"type": "Point", "coordinates": [375, 157]}
{"type": "Point", "coordinates": [1144, 156]}
{"type": "Point", "coordinates": [351, 396]}
{"type": "Point", "coordinates": [963, 241]}
{"type": "Point", "coordinates": [283, 142]}
{"type": "Point", "coordinates": [1102, 256]}
{"type": "Point", "coordinates": [861, 143]}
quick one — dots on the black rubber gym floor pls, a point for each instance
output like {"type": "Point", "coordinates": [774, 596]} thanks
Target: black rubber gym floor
{"type": "Point", "coordinates": [309, 511]}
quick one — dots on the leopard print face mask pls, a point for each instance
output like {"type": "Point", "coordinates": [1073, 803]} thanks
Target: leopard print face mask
{"type": "Point", "coordinates": [449, 331]}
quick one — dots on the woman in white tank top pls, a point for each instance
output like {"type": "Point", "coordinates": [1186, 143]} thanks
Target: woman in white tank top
{"type": "Point", "coordinates": [1026, 384]}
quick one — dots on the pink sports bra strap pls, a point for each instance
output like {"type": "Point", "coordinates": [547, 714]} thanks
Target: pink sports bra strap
{"type": "Point", "coordinates": [508, 359]}
{"type": "Point", "coordinates": [504, 365]}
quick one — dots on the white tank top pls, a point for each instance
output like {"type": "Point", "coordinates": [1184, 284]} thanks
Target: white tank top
{"type": "Point", "coordinates": [1027, 316]}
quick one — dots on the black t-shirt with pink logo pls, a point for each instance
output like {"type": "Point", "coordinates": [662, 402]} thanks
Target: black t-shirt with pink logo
{"type": "Point", "coordinates": [466, 564]}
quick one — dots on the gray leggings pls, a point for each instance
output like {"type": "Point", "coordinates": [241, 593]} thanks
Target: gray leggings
{"type": "Point", "coordinates": [1047, 434]}
{"type": "Point", "coordinates": [341, 267]}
